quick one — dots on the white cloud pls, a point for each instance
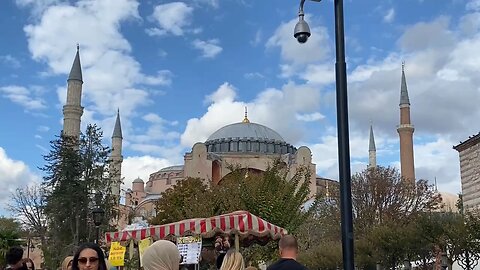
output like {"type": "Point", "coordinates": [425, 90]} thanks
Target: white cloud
{"type": "Point", "coordinates": [163, 77]}
{"type": "Point", "coordinates": [209, 48]}
{"type": "Point", "coordinates": [253, 75]}
{"type": "Point", "coordinates": [225, 109]}
{"type": "Point", "coordinates": [390, 16]}
{"type": "Point", "coordinates": [10, 61]}
{"type": "Point", "coordinates": [212, 3]}
{"type": "Point", "coordinates": [225, 93]}
{"type": "Point", "coordinates": [23, 97]}
{"type": "Point", "coordinates": [43, 128]}
{"type": "Point", "coordinates": [427, 35]}
{"type": "Point", "coordinates": [141, 166]}
{"type": "Point", "coordinates": [37, 6]}
{"type": "Point", "coordinates": [319, 74]}
{"type": "Point", "coordinates": [441, 71]}
{"type": "Point", "coordinates": [171, 18]}
{"type": "Point", "coordinates": [112, 77]}
{"type": "Point", "coordinates": [153, 118]}
{"type": "Point", "coordinates": [109, 72]}
{"type": "Point", "coordinates": [298, 55]}
{"type": "Point", "coordinates": [441, 66]}
{"type": "Point", "coordinates": [310, 117]}
{"type": "Point", "coordinates": [13, 174]}
{"type": "Point", "coordinates": [258, 38]}
{"type": "Point", "coordinates": [438, 160]}
{"type": "Point", "coordinates": [473, 5]}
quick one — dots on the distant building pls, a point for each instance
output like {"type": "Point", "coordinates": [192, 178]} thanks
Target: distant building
{"type": "Point", "coordinates": [327, 187]}
{"type": "Point", "coordinates": [469, 153]}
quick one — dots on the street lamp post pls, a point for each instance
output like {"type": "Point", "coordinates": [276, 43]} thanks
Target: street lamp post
{"type": "Point", "coordinates": [301, 33]}
{"type": "Point", "coordinates": [97, 214]}
{"type": "Point", "coordinates": [30, 247]}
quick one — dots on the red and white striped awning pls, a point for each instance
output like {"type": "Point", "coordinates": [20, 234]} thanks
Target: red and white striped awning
{"type": "Point", "coordinates": [241, 223]}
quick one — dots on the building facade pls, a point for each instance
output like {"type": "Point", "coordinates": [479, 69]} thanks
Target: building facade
{"type": "Point", "coordinates": [250, 146]}
{"type": "Point", "coordinates": [469, 154]}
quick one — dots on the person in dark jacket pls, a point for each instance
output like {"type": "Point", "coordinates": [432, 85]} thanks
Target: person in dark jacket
{"type": "Point", "coordinates": [13, 259]}
{"type": "Point", "coordinates": [288, 248]}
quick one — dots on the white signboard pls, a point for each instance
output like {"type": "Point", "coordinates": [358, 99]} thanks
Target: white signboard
{"type": "Point", "coordinates": [190, 248]}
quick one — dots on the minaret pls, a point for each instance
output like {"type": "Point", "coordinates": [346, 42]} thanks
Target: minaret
{"type": "Point", "coordinates": [405, 131]}
{"type": "Point", "coordinates": [372, 151]}
{"type": "Point", "coordinates": [73, 110]}
{"type": "Point", "coordinates": [116, 157]}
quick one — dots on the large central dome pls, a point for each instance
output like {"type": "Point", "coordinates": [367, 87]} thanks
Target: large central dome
{"type": "Point", "coordinates": [246, 137]}
{"type": "Point", "coordinates": [246, 130]}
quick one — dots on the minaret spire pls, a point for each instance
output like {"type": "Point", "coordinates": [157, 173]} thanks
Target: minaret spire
{"type": "Point", "coordinates": [405, 131]}
{"type": "Point", "coordinates": [117, 130]}
{"type": "Point", "coordinates": [245, 120]}
{"type": "Point", "coordinates": [404, 100]}
{"type": "Point", "coordinates": [73, 110]}
{"type": "Point", "coordinates": [372, 150]}
{"type": "Point", "coordinates": [116, 158]}
{"type": "Point", "coordinates": [76, 71]}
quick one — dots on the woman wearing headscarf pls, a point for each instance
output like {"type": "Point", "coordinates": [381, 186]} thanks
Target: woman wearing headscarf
{"type": "Point", "coordinates": [161, 255]}
{"type": "Point", "coordinates": [67, 263]}
{"type": "Point", "coordinates": [233, 261]}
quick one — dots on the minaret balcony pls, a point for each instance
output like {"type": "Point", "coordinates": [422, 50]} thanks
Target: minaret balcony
{"type": "Point", "coordinates": [405, 127]}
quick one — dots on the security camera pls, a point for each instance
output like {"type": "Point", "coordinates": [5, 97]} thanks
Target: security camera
{"type": "Point", "coordinates": [302, 37]}
{"type": "Point", "coordinates": [302, 31]}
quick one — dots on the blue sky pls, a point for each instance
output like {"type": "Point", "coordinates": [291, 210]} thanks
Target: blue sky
{"type": "Point", "coordinates": [180, 70]}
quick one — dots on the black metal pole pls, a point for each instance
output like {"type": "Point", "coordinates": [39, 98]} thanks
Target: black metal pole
{"type": "Point", "coordinates": [98, 230]}
{"type": "Point", "coordinates": [28, 248]}
{"type": "Point", "coordinates": [343, 141]}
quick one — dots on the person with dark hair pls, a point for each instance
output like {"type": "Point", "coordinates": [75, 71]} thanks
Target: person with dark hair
{"type": "Point", "coordinates": [28, 264]}
{"type": "Point", "coordinates": [288, 248]}
{"type": "Point", "coordinates": [13, 258]}
{"type": "Point", "coordinates": [89, 256]}
{"type": "Point", "coordinates": [222, 245]}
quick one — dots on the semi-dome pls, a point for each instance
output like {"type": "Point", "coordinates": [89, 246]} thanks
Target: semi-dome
{"type": "Point", "coordinates": [246, 130]}
{"type": "Point", "coordinates": [247, 137]}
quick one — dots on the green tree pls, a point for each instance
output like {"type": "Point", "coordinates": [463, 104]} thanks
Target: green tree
{"type": "Point", "coordinates": [381, 195]}
{"type": "Point", "coordinates": [385, 211]}
{"type": "Point", "coordinates": [270, 195]}
{"type": "Point", "coordinates": [188, 198]}
{"type": "Point", "coordinates": [10, 233]}
{"type": "Point", "coordinates": [452, 233]}
{"type": "Point", "coordinates": [28, 205]}
{"type": "Point", "coordinates": [77, 179]}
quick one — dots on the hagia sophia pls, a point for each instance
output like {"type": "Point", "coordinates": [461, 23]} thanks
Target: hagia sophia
{"type": "Point", "coordinates": [250, 145]}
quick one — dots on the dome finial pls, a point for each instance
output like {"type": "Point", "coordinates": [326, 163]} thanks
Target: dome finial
{"type": "Point", "coordinates": [245, 120]}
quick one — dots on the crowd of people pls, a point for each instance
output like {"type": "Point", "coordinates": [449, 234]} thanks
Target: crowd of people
{"type": "Point", "coordinates": [88, 256]}
{"type": "Point", "coordinates": [161, 255]}
{"type": "Point", "coordinates": [164, 255]}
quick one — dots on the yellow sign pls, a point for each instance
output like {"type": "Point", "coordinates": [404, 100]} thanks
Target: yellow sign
{"type": "Point", "coordinates": [117, 254]}
{"type": "Point", "coordinates": [189, 239]}
{"type": "Point", "coordinates": [142, 246]}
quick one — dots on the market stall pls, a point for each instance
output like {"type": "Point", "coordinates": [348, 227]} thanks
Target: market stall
{"type": "Point", "coordinates": [242, 224]}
